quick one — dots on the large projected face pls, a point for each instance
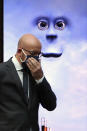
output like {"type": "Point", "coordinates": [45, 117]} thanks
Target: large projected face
{"type": "Point", "coordinates": [61, 26]}
{"type": "Point", "coordinates": [54, 22]}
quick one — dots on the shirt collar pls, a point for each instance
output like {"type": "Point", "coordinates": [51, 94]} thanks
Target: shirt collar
{"type": "Point", "coordinates": [17, 65]}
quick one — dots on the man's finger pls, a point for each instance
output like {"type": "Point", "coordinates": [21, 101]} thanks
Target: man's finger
{"type": "Point", "coordinates": [34, 62]}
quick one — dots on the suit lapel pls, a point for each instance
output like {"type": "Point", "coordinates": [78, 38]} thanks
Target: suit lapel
{"type": "Point", "coordinates": [16, 79]}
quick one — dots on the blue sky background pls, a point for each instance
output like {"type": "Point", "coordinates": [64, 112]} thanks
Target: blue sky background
{"type": "Point", "coordinates": [67, 74]}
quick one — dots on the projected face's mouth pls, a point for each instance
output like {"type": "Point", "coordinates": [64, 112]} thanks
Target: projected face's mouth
{"type": "Point", "coordinates": [55, 55]}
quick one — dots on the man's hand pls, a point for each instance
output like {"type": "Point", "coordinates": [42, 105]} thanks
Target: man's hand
{"type": "Point", "coordinates": [35, 68]}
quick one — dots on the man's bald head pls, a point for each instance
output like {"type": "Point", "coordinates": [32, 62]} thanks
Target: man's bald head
{"type": "Point", "coordinates": [29, 42]}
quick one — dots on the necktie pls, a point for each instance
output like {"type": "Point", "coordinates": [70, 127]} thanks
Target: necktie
{"type": "Point", "coordinates": [25, 82]}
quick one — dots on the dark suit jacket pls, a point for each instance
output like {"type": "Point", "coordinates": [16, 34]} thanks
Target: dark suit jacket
{"type": "Point", "coordinates": [16, 112]}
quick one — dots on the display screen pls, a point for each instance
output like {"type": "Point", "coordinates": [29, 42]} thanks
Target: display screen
{"type": "Point", "coordinates": [61, 26]}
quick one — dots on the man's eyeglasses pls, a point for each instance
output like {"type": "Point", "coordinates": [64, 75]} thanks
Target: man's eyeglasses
{"type": "Point", "coordinates": [33, 53]}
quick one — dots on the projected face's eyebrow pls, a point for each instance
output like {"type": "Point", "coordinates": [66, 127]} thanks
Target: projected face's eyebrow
{"type": "Point", "coordinates": [59, 23]}
{"type": "Point", "coordinates": [35, 21]}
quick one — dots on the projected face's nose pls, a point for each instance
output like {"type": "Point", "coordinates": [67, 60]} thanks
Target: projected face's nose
{"type": "Point", "coordinates": [51, 37]}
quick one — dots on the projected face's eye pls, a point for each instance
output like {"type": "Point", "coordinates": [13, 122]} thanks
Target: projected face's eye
{"type": "Point", "coordinates": [60, 25]}
{"type": "Point", "coordinates": [43, 25]}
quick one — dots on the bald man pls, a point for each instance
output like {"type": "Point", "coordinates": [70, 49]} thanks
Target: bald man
{"type": "Point", "coordinates": [19, 104]}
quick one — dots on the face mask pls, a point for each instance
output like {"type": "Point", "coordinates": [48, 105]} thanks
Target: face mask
{"type": "Point", "coordinates": [35, 57]}
{"type": "Point", "coordinates": [24, 63]}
